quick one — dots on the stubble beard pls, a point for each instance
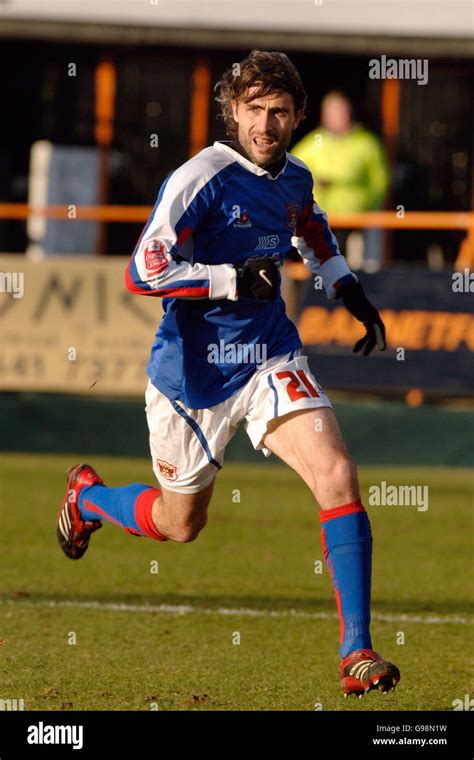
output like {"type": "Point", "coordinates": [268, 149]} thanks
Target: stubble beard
{"type": "Point", "coordinates": [248, 145]}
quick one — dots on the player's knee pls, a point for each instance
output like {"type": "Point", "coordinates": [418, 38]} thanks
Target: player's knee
{"type": "Point", "coordinates": [186, 534]}
{"type": "Point", "coordinates": [190, 530]}
{"type": "Point", "coordinates": [344, 471]}
{"type": "Point", "coordinates": [339, 476]}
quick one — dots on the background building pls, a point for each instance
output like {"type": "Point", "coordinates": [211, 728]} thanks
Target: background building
{"type": "Point", "coordinates": [166, 57]}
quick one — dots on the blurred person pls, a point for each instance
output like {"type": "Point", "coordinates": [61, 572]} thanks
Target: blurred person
{"type": "Point", "coordinates": [349, 169]}
{"type": "Point", "coordinates": [212, 248]}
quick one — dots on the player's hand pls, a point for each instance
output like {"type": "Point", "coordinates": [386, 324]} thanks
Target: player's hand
{"type": "Point", "coordinates": [258, 278]}
{"type": "Point", "coordinates": [360, 307]}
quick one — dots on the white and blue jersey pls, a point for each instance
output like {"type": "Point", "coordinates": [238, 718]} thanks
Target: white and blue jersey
{"type": "Point", "coordinates": [212, 214]}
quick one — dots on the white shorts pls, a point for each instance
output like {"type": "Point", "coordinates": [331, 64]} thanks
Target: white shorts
{"type": "Point", "coordinates": [187, 445]}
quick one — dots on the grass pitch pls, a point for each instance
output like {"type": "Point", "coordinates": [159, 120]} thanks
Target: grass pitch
{"type": "Point", "coordinates": [109, 632]}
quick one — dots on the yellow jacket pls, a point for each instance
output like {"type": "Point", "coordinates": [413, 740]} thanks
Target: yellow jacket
{"type": "Point", "coordinates": [350, 171]}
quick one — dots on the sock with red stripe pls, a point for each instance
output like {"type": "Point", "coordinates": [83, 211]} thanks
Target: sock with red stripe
{"type": "Point", "coordinates": [129, 507]}
{"type": "Point", "coordinates": [347, 547]}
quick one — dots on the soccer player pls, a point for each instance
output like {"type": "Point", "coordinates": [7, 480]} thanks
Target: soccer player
{"type": "Point", "coordinates": [225, 351]}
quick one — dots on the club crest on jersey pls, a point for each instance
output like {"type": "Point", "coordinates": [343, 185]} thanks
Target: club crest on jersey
{"type": "Point", "coordinates": [156, 259]}
{"type": "Point", "coordinates": [167, 470]}
{"type": "Point", "coordinates": [241, 218]}
{"type": "Point", "coordinates": [292, 211]}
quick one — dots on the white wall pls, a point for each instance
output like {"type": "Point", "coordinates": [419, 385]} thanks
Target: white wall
{"type": "Point", "coordinates": [430, 18]}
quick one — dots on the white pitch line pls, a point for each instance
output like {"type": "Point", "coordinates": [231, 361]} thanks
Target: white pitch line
{"type": "Point", "coordinates": [188, 609]}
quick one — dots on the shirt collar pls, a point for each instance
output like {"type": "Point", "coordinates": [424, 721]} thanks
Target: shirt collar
{"type": "Point", "coordinates": [249, 165]}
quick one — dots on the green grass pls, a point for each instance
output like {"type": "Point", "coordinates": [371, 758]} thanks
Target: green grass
{"type": "Point", "coordinates": [256, 554]}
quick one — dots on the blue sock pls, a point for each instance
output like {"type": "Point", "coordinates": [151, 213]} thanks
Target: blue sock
{"type": "Point", "coordinates": [347, 546]}
{"type": "Point", "coordinates": [120, 506]}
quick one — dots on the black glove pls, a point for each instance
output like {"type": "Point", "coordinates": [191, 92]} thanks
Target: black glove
{"type": "Point", "coordinates": [292, 254]}
{"type": "Point", "coordinates": [360, 307]}
{"type": "Point", "coordinates": [258, 278]}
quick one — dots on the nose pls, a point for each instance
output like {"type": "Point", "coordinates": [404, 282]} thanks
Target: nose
{"type": "Point", "coordinates": [264, 121]}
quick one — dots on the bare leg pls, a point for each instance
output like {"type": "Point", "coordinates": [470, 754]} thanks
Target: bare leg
{"type": "Point", "coordinates": [310, 442]}
{"type": "Point", "coordinates": [181, 517]}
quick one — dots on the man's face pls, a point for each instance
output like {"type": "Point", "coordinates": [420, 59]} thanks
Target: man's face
{"type": "Point", "coordinates": [336, 115]}
{"type": "Point", "coordinates": [265, 125]}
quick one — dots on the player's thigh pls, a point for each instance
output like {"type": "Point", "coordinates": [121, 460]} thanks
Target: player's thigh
{"type": "Point", "coordinates": [311, 443]}
{"type": "Point", "coordinates": [306, 435]}
{"type": "Point", "coordinates": [290, 415]}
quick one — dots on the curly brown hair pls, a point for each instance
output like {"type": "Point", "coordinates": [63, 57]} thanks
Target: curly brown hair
{"type": "Point", "coordinates": [269, 72]}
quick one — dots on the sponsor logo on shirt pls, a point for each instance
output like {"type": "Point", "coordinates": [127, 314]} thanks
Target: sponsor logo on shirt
{"type": "Point", "coordinates": [241, 218]}
{"type": "Point", "coordinates": [267, 242]}
{"type": "Point", "coordinates": [156, 258]}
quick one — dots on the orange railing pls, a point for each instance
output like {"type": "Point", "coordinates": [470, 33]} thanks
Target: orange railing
{"type": "Point", "coordinates": [84, 213]}
{"type": "Point", "coordinates": [412, 220]}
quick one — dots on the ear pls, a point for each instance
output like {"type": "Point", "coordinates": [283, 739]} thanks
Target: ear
{"type": "Point", "coordinates": [298, 119]}
{"type": "Point", "coordinates": [235, 105]}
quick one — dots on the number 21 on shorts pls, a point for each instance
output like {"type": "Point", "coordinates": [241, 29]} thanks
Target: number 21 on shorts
{"type": "Point", "coordinates": [298, 386]}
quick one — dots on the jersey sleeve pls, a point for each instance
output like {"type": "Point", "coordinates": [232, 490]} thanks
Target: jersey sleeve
{"type": "Point", "coordinates": [317, 245]}
{"type": "Point", "coordinates": [158, 265]}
